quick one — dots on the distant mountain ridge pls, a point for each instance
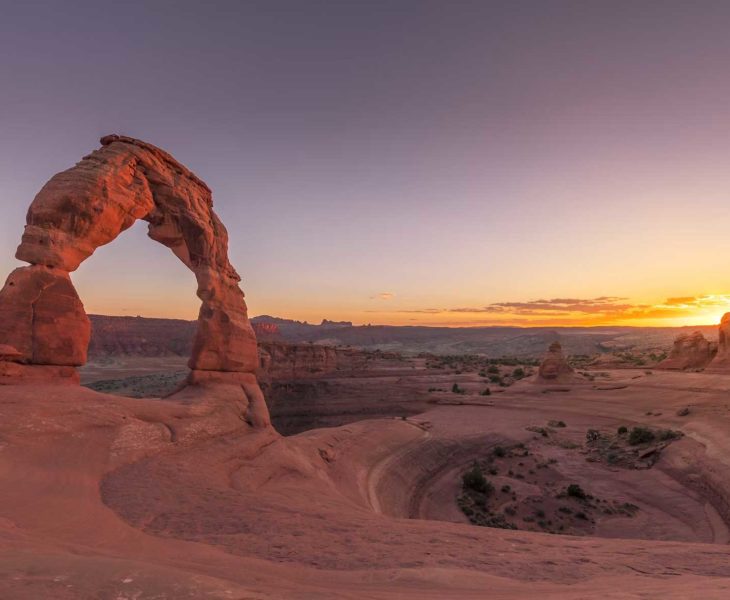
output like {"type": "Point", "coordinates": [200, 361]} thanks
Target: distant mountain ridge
{"type": "Point", "coordinates": [142, 336]}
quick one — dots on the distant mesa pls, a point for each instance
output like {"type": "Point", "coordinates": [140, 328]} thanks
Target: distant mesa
{"type": "Point", "coordinates": [554, 368]}
{"type": "Point", "coordinates": [691, 351]}
{"type": "Point", "coordinates": [87, 206]}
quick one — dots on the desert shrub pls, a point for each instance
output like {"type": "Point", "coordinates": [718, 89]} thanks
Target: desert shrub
{"type": "Point", "coordinates": [640, 435]}
{"type": "Point", "coordinates": [493, 369]}
{"type": "Point", "coordinates": [592, 435]}
{"type": "Point", "coordinates": [499, 451]}
{"type": "Point", "coordinates": [622, 430]}
{"type": "Point", "coordinates": [495, 379]}
{"type": "Point", "coordinates": [581, 515]}
{"type": "Point", "coordinates": [518, 373]}
{"type": "Point", "coordinates": [456, 389]}
{"type": "Point", "coordinates": [506, 489]}
{"type": "Point", "coordinates": [486, 392]}
{"type": "Point", "coordinates": [474, 480]}
{"type": "Point", "coordinates": [575, 491]}
{"type": "Point", "coordinates": [668, 434]}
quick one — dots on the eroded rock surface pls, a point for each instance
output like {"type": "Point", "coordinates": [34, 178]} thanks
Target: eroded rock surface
{"type": "Point", "coordinates": [690, 351]}
{"type": "Point", "coordinates": [88, 206]}
{"type": "Point", "coordinates": [721, 361]}
{"type": "Point", "coordinates": [554, 368]}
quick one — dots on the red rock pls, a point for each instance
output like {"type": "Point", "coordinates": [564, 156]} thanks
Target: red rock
{"type": "Point", "coordinates": [9, 353]}
{"type": "Point", "coordinates": [721, 362]}
{"type": "Point", "coordinates": [42, 317]}
{"type": "Point", "coordinates": [88, 206]}
{"type": "Point", "coordinates": [554, 368]}
{"type": "Point", "coordinates": [690, 351]}
{"type": "Point", "coordinates": [13, 373]}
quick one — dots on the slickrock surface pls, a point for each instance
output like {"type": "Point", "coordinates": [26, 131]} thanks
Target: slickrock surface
{"type": "Point", "coordinates": [690, 351]}
{"type": "Point", "coordinates": [109, 497]}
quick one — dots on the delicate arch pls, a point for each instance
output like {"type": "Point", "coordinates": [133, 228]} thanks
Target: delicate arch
{"type": "Point", "coordinates": [42, 320]}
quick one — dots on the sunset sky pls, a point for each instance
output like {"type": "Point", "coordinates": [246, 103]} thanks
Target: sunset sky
{"type": "Point", "coordinates": [397, 162]}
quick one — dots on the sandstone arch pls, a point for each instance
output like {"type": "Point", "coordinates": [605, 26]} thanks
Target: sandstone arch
{"type": "Point", "coordinates": [43, 325]}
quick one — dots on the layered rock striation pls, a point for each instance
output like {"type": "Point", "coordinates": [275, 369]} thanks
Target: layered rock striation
{"type": "Point", "coordinates": [87, 206]}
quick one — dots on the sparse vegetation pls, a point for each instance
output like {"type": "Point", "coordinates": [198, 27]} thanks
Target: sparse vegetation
{"type": "Point", "coordinates": [575, 491]}
{"type": "Point", "coordinates": [641, 435]}
{"type": "Point", "coordinates": [474, 480]}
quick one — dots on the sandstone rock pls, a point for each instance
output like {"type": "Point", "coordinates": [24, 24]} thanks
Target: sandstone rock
{"type": "Point", "coordinates": [296, 361]}
{"type": "Point", "coordinates": [690, 351]}
{"type": "Point", "coordinates": [13, 373]}
{"type": "Point", "coordinates": [9, 353]}
{"type": "Point", "coordinates": [42, 317]}
{"type": "Point", "coordinates": [554, 368]}
{"type": "Point", "coordinates": [88, 206]}
{"type": "Point", "coordinates": [721, 362]}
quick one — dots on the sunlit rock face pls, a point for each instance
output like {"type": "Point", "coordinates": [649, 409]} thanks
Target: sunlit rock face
{"type": "Point", "coordinates": [690, 351]}
{"type": "Point", "coordinates": [721, 362]}
{"type": "Point", "coordinates": [554, 368]}
{"type": "Point", "coordinates": [88, 206]}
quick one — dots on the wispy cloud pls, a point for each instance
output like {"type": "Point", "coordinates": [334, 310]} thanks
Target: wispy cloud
{"type": "Point", "coordinates": [602, 309]}
{"type": "Point", "coordinates": [383, 296]}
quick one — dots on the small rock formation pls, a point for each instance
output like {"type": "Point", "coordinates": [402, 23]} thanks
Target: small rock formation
{"type": "Point", "coordinates": [42, 318]}
{"type": "Point", "coordinates": [721, 362]}
{"type": "Point", "coordinates": [690, 351]}
{"type": "Point", "coordinates": [554, 368]}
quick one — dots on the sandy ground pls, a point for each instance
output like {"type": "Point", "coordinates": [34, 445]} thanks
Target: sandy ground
{"type": "Point", "coordinates": [110, 497]}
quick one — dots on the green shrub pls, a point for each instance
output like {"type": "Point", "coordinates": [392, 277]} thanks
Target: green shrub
{"type": "Point", "coordinates": [622, 430]}
{"type": "Point", "coordinates": [474, 480]}
{"type": "Point", "coordinates": [575, 491]}
{"type": "Point", "coordinates": [486, 392]}
{"type": "Point", "coordinates": [493, 369]}
{"type": "Point", "coordinates": [640, 435]}
{"type": "Point", "coordinates": [518, 373]}
{"type": "Point", "coordinates": [499, 451]}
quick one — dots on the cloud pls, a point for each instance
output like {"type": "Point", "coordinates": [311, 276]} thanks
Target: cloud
{"type": "Point", "coordinates": [602, 309]}
{"type": "Point", "coordinates": [383, 296]}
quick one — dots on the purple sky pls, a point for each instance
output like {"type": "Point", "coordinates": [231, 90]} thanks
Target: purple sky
{"type": "Point", "coordinates": [371, 159]}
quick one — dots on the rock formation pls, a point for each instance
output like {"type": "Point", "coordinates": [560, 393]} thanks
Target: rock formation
{"type": "Point", "coordinates": [690, 351]}
{"type": "Point", "coordinates": [295, 361]}
{"type": "Point", "coordinates": [554, 368]}
{"type": "Point", "coordinates": [721, 361]}
{"type": "Point", "coordinates": [89, 205]}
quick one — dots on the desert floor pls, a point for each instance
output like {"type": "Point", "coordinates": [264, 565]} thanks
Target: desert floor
{"type": "Point", "coordinates": [104, 496]}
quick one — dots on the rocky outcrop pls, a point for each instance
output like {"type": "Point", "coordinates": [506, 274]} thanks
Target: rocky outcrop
{"type": "Point", "coordinates": [295, 361]}
{"type": "Point", "coordinates": [721, 361]}
{"type": "Point", "coordinates": [266, 331]}
{"type": "Point", "coordinates": [554, 368]}
{"type": "Point", "coordinates": [140, 336]}
{"type": "Point", "coordinates": [690, 351]}
{"type": "Point", "coordinates": [88, 206]}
